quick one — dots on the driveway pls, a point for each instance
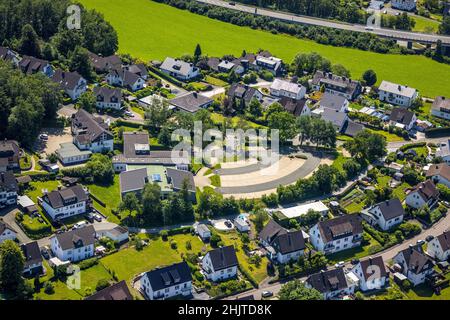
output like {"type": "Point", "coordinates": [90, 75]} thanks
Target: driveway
{"type": "Point", "coordinates": [56, 136]}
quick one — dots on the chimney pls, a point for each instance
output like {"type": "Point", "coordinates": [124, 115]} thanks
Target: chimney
{"type": "Point", "coordinates": [3, 177]}
{"type": "Point", "coordinates": [399, 88]}
{"type": "Point", "coordinates": [195, 94]}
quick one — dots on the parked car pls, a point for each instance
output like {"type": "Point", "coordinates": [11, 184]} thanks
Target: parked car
{"type": "Point", "coordinates": [129, 113]}
{"type": "Point", "coordinates": [340, 264]}
{"type": "Point", "coordinates": [267, 294]}
{"type": "Point", "coordinates": [420, 242]}
{"type": "Point", "coordinates": [228, 223]}
{"type": "Point", "coordinates": [232, 3]}
{"type": "Point", "coordinates": [45, 253]}
{"type": "Point", "coordinates": [97, 217]}
{"type": "Point", "coordinates": [429, 238]}
{"type": "Point", "coordinates": [80, 225]}
{"type": "Point", "coordinates": [355, 261]}
{"type": "Point", "coordinates": [43, 136]}
{"type": "Point", "coordinates": [89, 217]}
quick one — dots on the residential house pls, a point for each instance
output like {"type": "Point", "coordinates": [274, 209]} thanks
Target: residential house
{"type": "Point", "coordinates": [9, 155]}
{"type": "Point", "coordinates": [386, 214]}
{"type": "Point", "coordinates": [167, 282]}
{"type": "Point", "coordinates": [169, 179]}
{"type": "Point", "coordinates": [91, 133]}
{"type": "Point", "coordinates": [282, 88]}
{"type": "Point", "coordinates": [407, 5]}
{"type": "Point", "coordinates": [269, 232]}
{"type": "Point", "coordinates": [242, 94]}
{"type": "Point", "coordinates": [69, 154]}
{"type": "Point", "coordinates": [9, 55]}
{"type": "Point", "coordinates": [220, 264]}
{"type": "Point", "coordinates": [67, 202]}
{"type": "Point", "coordinates": [113, 232]}
{"type": "Point", "coordinates": [424, 193]}
{"type": "Point", "coordinates": [7, 232]}
{"type": "Point", "coordinates": [414, 264]}
{"type": "Point", "coordinates": [295, 212]}
{"type": "Point", "coordinates": [439, 247]}
{"type": "Point", "coordinates": [118, 291]}
{"type": "Point", "coordinates": [126, 79]}
{"type": "Point", "coordinates": [331, 284]}
{"type": "Point", "coordinates": [338, 119]}
{"type": "Point", "coordinates": [443, 152]}
{"type": "Point", "coordinates": [73, 84]}
{"type": "Point", "coordinates": [33, 259]}
{"type": "Point", "coordinates": [8, 189]}
{"type": "Point", "coordinates": [441, 108]}
{"type": "Point", "coordinates": [337, 234]}
{"type": "Point", "coordinates": [179, 69]}
{"type": "Point", "coordinates": [191, 102]}
{"type": "Point", "coordinates": [107, 98]}
{"type": "Point", "coordinates": [203, 231]}
{"type": "Point", "coordinates": [242, 223]}
{"type": "Point", "coordinates": [352, 128]}
{"type": "Point", "coordinates": [138, 69]}
{"type": "Point", "coordinates": [296, 107]}
{"type": "Point", "coordinates": [136, 151]}
{"type": "Point", "coordinates": [402, 118]}
{"type": "Point", "coordinates": [397, 94]}
{"type": "Point", "coordinates": [334, 102]}
{"type": "Point", "coordinates": [439, 173]}
{"type": "Point", "coordinates": [74, 245]}
{"type": "Point", "coordinates": [228, 66]}
{"type": "Point", "coordinates": [371, 273]}
{"type": "Point", "coordinates": [269, 63]}
{"type": "Point", "coordinates": [446, 9]}
{"type": "Point", "coordinates": [337, 85]}
{"type": "Point", "coordinates": [31, 65]}
{"type": "Point", "coordinates": [104, 64]}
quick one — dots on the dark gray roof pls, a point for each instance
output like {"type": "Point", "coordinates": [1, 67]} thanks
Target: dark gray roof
{"type": "Point", "coordinates": [223, 258]}
{"type": "Point", "coordinates": [328, 281]}
{"type": "Point", "coordinates": [117, 291]}
{"type": "Point", "coordinates": [241, 91]}
{"type": "Point", "coordinates": [138, 69]}
{"type": "Point", "coordinates": [441, 169]}
{"type": "Point", "coordinates": [108, 95]}
{"type": "Point", "coordinates": [293, 106]}
{"type": "Point", "coordinates": [441, 103]}
{"type": "Point", "coordinates": [60, 198]}
{"type": "Point", "coordinates": [128, 78]}
{"type": "Point", "coordinates": [169, 276]}
{"type": "Point", "coordinates": [352, 128]}
{"type": "Point", "coordinates": [444, 240]}
{"type": "Point", "coordinates": [338, 83]}
{"type": "Point", "coordinates": [341, 227]}
{"type": "Point", "coordinates": [401, 115]}
{"type": "Point", "coordinates": [332, 101]}
{"type": "Point", "coordinates": [177, 177]}
{"type": "Point", "coordinates": [371, 265]}
{"type": "Point", "coordinates": [133, 180]}
{"type": "Point", "coordinates": [76, 238]}
{"type": "Point", "coordinates": [103, 64]}
{"type": "Point", "coordinates": [8, 182]}
{"type": "Point", "coordinates": [32, 65]}
{"type": "Point", "coordinates": [391, 209]}
{"type": "Point", "coordinates": [427, 190]}
{"type": "Point", "coordinates": [92, 127]}
{"type": "Point", "coordinates": [416, 261]}
{"type": "Point", "coordinates": [4, 226]}
{"type": "Point", "coordinates": [31, 253]}
{"type": "Point", "coordinates": [289, 242]}
{"type": "Point", "coordinates": [191, 102]}
{"type": "Point", "coordinates": [9, 149]}
{"type": "Point", "coordinates": [8, 54]}
{"type": "Point", "coordinates": [334, 116]}
{"type": "Point", "coordinates": [177, 66]}
{"type": "Point", "coordinates": [66, 80]}
{"type": "Point", "coordinates": [271, 230]}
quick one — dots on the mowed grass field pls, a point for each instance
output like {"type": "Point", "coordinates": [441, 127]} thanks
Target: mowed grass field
{"type": "Point", "coordinates": [150, 30]}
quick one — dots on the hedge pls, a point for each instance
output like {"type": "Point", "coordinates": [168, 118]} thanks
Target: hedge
{"type": "Point", "coordinates": [412, 145]}
{"type": "Point", "coordinates": [248, 276]}
{"type": "Point", "coordinates": [165, 76]}
{"type": "Point", "coordinates": [181, 230]}
{"type": "Point", "coordinates": [437, 132]}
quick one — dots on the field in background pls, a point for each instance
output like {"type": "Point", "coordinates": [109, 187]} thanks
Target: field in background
{"type": "Point", "coordinates": [150, 30]}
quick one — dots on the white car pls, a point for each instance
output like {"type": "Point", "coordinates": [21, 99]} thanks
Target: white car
{"type": "Point", "coordinates": [340, 264]}
{"type": "Point", "coordinates": [80, 224]}
{"type": "Point", "coordinates": [129, 113]}
{"type": "Point", "coordinates": [43, 136]}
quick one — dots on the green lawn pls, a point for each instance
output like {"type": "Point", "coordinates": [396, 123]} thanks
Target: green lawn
{"type": "Point", "coordinates": [424, 292]}
{"type": "Point", "coordinates": [215, 81]}
{"type": "Point", "coordinates": [110, 195]}
{"type": "Point", "coordinates": [218, 118]}
{"type": "Point", "coordinates": [139, 111]}
{"type": "Point", "coordinates": [150, 30]}
{"type": "Point", "coordinates": [353, 253]}
{"type": "Point", "coordinates": [425, 25]}
{"type": "Point", "coordinates": [390, 137]}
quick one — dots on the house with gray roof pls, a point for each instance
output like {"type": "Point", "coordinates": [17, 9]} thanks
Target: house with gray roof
{"type": "Point", "coordinates": [402, 118]}
{"type": "Point", "coordinates": [6, 54]}
{"type": "Point", "coordinates": [334, 102]}
{"type": "Point", "coordinates": [296, 107]}
{"type": "Point", "coordinates": [6, 232]}
{"type": "Point", "coordinates": [33, 259]}
{"type": "Point", "coordinates": [439, 247]}
{"type": "Point", "coordinates": [73, 84]}
{"type": "Point", "coordinates": [371, 273]}
{"type": "Point", "coordinates": [386, 214]}
{"type": "Point", "coordinates": [414, 264]}
{"type": "Point", "coordinates": [8, 189]}
{"type": "Point", "coordinates": [332, 284]}
{"type": "Point", "coordinates": [91, 133]}
{"type": "Point", "coordinates": [352, 128]}
{"type": "Point", "coordinates": [126, 79]}
{"type": "Point", "coordinates": [397, 94]}
{"type": "Point", "coordinates": [65, 202]}
{"type": "Point", "coordinates": [191, 102]}
{"type": "Point", "coordinates": [69, 154]}
{"type": "Point", "coordinates": [242, 94]}
{"type": "Point", "coordinates": [107, 98]}
{"type": "Point", "coordinates": [9, 155]}
{"type": "Point", "coordinates": [441, 107]}
{"type": "Point", "coordinates": [337, 85]}
{"type": "Point", "coordinates": [138, 69]}
{"type": "Point", "coordinates": [32, 65]}
{"type": "Point", "coordinates": [136, 151]}
{"type": "Point", "coordinates": [117, 292]}
{"type": "Point", "coordinates": [74, 245]}
{"type": "Point", "coordinates": [104, 64]}
{"type": "Point", "coordinates": [179, 69]}
{"type": "Point", "coordinates": [283, 88]}
{"type": "Point", "coordinates": [220, 264]}
{"type": "Point", "coordinates": [167, 282]}
{"type": "Point", "coordinates": [337, 118]}
{"type": "Point", "coordinates": [337, 234]}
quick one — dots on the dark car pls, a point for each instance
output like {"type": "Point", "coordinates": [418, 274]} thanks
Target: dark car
{"type": "Point", "coordinates": [267, 294]}
{"type": "Point", "coordinates": [232, 3]}
{"type": "Point", "coordinates": [355, 261]}
{"type": "Point", "coordinates": [429, 238]}
{"type": "Point", "coordinates": [45, 254]}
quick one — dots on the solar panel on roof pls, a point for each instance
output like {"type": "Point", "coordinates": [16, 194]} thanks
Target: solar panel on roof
{"type": "Point", "coordinates": [156, 177]}
{"type": "Point", "coordinates": [166, 278]}
{"type": "Point", "coordinates": [175, 275]}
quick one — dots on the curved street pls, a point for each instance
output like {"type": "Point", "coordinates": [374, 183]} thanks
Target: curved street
{"type": "Point", "coordinates": [387, 33]}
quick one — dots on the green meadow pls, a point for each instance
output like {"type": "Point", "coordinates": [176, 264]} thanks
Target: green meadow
{"type": "Point", "coordinates": [151, 30]}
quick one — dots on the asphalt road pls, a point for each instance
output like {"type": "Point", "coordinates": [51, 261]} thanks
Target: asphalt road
{"type": "Point", "coordinates": [310, 164]}
{"type": "Point", "coordinates": [387, 33]}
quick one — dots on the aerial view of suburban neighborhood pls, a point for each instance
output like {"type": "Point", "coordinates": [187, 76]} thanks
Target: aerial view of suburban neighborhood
{"type": "Point", "coordinates": [224, 150]}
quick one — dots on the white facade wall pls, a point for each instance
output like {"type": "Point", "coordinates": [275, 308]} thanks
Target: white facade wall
{"type": "Point", "coordinates": [382, 222]}
{"type": "Point", "coordinates": [335, 245]}
{"type": "Point", "coordinates": [396, 98]}
{"type": "Point", "coordinates": [373, 283]}
{"type": "Point", "coordinates": [73, 255]}
{"type": "Point", "coordinates": [66, 211]}
{"type": "Point", "coordinates": [8, 198]}
{"type": "Point", "coordinates": [435, 250]}
{"type": "Point", "coordinates": [183, 289]}
{"type": "Point", "coordinates": [217, 275]}
{"type": "Point", "coordinates": [8, 235]}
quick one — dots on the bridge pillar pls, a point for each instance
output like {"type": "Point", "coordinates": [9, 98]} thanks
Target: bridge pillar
{"type": "Point", "coordinates": [409, 45]}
